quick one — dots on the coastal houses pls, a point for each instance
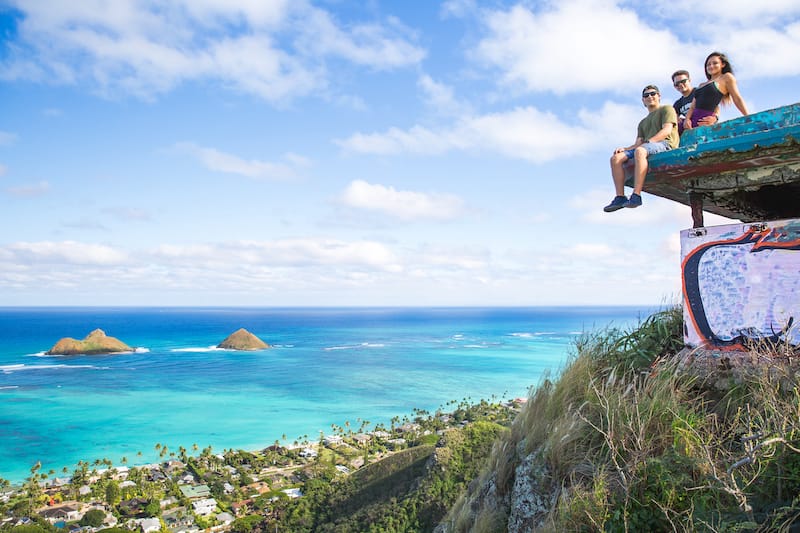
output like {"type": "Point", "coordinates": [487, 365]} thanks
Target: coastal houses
{"type": "Point", "coordinates": [205, 506]}
{"type": "Point", "coordinates": [191, 497]}
{"type": "Point", "coordinates": [62, 513]}
{"type": "Point", "coordinates": [195, 491]}
{"type": "Point", "coordinates": [148, 525]}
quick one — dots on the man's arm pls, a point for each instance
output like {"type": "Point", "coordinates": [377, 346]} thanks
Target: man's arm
{"type": "Point", "coordinates": [638, 142]}
{"type": "Point", "coordinates": [662, 134]}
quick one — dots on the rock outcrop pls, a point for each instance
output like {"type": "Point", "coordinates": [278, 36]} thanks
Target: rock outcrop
{"type": "Point", "coordinates": [97, 342]}
{"type": "Point", "coordinates": [242, 339]}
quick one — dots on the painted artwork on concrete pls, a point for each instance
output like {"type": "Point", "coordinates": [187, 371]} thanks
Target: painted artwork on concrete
{"type": "Point", "coordinates": [741, 284]}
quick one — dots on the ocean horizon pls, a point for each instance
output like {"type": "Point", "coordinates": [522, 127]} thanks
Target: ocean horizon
{"type": "Point", "coordinates": [328, 366]}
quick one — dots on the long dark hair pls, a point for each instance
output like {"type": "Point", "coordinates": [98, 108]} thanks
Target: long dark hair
{"type": "Point", "coordinates": [726, 68]}
{"type": "Point", "coordinates": [726, 64]}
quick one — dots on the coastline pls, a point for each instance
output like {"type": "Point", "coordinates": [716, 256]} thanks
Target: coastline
{"type": "Point", "coordinates": [325, 367]}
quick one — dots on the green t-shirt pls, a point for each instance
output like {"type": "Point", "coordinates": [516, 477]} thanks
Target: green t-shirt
{"type": "Point", "coordinates": [653, 122]}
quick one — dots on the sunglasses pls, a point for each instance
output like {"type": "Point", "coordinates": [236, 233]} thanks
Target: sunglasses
{"type": "Point", "coordinates": [647, 95]}
{"type": "Point", "coordinates": [681, 82]}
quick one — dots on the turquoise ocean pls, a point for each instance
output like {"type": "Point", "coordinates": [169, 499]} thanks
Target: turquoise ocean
{"type": "Point", "coordinates": [327, 366]}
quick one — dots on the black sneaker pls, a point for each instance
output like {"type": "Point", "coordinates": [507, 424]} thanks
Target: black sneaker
{"type": "Point", "coordinates": [617, 203]}
{"type": "Point", "coordinates": [634, 201]}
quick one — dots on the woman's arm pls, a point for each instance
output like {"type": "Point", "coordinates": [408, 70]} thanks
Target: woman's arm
{"type": "Point", "coordinates": [687, 122]}
{"type": "Point", "coordinates": [732, 90]}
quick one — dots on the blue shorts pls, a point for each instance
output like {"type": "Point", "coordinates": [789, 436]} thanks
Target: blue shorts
{"type": "Point", "coordinates": [652, 148]}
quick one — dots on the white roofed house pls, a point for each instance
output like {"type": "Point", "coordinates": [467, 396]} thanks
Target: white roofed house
{"type": "Point", "coordinates": [205, 506]}
{"type": "Point", "coordinates": [409, 427]}
{"type": "Point", "coordinates": [362, 438]}
{"type": "Point", "coordinates": [66, 513]}
{"type": "Point", "coordinates": [332, 440]}
{"type": "Point", "coordinates": [149, 525]}
{"type": "Point", "coordinates": [308, 452]}
{"type": "Point", "coordinates": [225, 518]}
{"type": "Point", "coordinates": [293, 493]}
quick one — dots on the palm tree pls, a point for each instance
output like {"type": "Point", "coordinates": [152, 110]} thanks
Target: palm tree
{"type": "Point", "coordinates": [32, 484]}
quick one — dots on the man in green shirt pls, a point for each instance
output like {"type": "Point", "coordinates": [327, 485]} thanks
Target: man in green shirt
{"type": "Point", "coordinates": [657, 132]}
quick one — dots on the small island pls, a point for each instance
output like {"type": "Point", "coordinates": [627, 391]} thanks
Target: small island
{"type": "Point", "coordinates": [243, 340]}
{"type": "Point", "coordinates": [97, 342]}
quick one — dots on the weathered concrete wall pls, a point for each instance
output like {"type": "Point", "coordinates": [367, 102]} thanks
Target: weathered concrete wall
{"type": "Point", "coordinates": [741, 283]}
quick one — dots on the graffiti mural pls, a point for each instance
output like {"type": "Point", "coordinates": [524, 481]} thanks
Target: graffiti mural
{"type": "Point", "coordinates": [741, 284]}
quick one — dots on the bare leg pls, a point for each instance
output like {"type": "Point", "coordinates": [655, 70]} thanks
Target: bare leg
{"type": "Point", "coordinates": [639, 169]}
{"type": "Point", "coordinates": [618, 173]}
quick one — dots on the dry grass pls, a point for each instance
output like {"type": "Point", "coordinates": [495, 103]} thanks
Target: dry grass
{"type": "Point", "coordinates": [629, 440]}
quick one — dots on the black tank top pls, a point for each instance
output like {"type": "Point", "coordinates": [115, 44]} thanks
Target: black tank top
{"type": "Point", "coordinates": [707, 97]}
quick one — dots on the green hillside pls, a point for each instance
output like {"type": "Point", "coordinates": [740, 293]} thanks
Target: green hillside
{"type": "Point", "coordinates": [634, 436]}
{"type": "Point", "coordinates": [409, 491]}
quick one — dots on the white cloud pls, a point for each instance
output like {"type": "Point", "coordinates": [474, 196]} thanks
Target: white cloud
{"type": "Point", "coordinates": [69, 252]}
{"type": "Point", "coordinates": [458, 8]}
{"type": "Point", "coordinates": [406, 205]}
{"type": "Point", "coordinates": [371, 45]}
{"type": "Point", "coordinates": [766, 13]}
{"type": "Point", "coordinates": [274, 50]}
{"type": "Point", "coordinates": [590, 251]}
{"type": "Point", "coordinates": [526, 133]}
{"type": "Point", "coordinates": [37, 189]}
{"type": "Point", "coordinates": [418, 139]}
{"type": "Point", "coordinates": [252, 64]}
{"type": "Point", "coordinates": [575, 46]}
{"type": "Point", "coordinates": [523, 133]}
{"type": "Point", "coordinates": [440, 97]}
{"type": "Point", "coordinates": [764, 51]}
{"type": "Point", "coordinates": [579, 46]}
{"type": "Point", "coordinates": [303, 270]}
{"type": "Point", "coordinates": [301, 253]}
{"type": "Point", "coordinates": [218, 161]}
{"type": "Point", "coordinates": [212, 13]}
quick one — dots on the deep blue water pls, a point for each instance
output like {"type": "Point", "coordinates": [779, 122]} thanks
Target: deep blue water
{"type": "Point", "coordinates": [327, 366]}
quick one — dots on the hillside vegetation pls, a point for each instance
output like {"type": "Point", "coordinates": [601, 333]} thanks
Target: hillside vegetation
{"type": "Point", "coordinates": [409, 491]}
{"type": "Point", "coordinates": [631, 439]}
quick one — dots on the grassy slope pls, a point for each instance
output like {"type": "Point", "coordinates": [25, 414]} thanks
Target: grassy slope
{"type": "Point", "coordinates": [626, 440]}
{"type": "Point", "coordinates": [410, 491]}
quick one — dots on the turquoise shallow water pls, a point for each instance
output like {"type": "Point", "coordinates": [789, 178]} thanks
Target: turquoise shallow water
{"type": "Point", "coordinates": [327, 366]}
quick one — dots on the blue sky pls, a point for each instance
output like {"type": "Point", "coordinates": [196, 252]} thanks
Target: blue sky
{"type": "Point", "coordinates": [269, 152]}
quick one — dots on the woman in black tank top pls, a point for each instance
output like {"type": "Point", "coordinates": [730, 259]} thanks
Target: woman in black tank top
{"type": "Point", "coordinates": [721, 87]}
